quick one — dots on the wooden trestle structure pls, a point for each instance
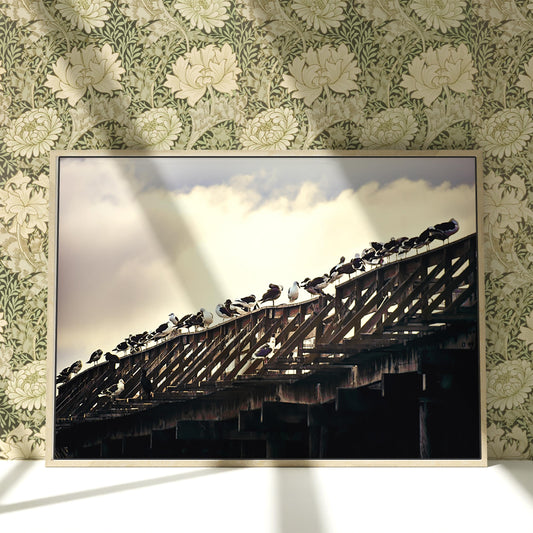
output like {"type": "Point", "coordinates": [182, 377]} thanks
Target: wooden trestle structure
{"type": "Point", "coordinates": [387, 368]}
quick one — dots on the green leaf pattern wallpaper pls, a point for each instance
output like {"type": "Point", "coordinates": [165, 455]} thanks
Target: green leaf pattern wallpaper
{"type": "Point", "coordinates": [275, 75]}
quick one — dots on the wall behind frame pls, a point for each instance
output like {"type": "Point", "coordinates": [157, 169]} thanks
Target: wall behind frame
{"type": "Point", "coordinates": [298, 74]}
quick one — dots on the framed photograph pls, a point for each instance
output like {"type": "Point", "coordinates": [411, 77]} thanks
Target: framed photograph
{"type": "Point", "coordinates": [279, 309]}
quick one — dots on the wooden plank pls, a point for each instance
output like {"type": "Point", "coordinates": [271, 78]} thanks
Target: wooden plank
{"type": "Point", "coordinates": [276, 415]}
{"type": "Point", "coordinates": [221, 355]}
{"type": "Point", "coordinates": [347, 313]}
{"type": "Point", "coordinates": [393, 299]}
{"type": "Point", "coordinates": [338, 336]}
{"type": "Point", "coordinates": [182, 361]}
{"type": "Point", "coordinates": [235, 352]}
{"type": "Point", "coordinates": [153, 369]}
{"type": "Point", "coordinates": [451, 283]}
{"type": "Point", "coordinates": [402, 387]}
{"type": "Point", "coordinates": [197, 430]}
{"type": "Point", "coordinates": [202, 359]}
{"type": "Point", "coordinates": [350, 400]}
{"type": "Point", "coordinates": [299, 335]}
{"type": "Point", "coordinates": [245, 358]}
{"type": "Point", "coordinates": [420, 290]}
{"type": "Point", "coordinates": [249, 420]}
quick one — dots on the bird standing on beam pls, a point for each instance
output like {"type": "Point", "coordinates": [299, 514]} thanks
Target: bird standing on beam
{"type": "Point", "coordinates": [146, 384]}
{"type": "Point", "coordinates": [112, 359]}
{"type": "Point", "coordinates": [294, 291]}
{"type": "Point", "coordinates": [114, 390]}
{"type": "Point", "coordinates": [273, 293]}
{"type": "Point", "coordinates": [95, 356]}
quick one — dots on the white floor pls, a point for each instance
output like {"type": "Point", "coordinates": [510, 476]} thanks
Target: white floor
{"type": "Point", "coordinates": [497, 499]}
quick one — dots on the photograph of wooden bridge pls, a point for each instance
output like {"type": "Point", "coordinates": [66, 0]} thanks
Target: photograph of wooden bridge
{"type": "Point", "coordinates": [384, 365]}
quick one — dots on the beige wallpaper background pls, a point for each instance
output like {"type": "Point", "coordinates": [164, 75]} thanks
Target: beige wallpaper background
{"type": "Point", "coordinates": [266, 74]}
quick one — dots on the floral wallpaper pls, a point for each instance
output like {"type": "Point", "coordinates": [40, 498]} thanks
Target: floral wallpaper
{"type": "Point", "coordinates": [266, 74]}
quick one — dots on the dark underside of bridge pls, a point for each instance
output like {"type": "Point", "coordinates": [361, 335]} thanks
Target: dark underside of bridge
{"type": "Point", "coordinates": [387, 368]}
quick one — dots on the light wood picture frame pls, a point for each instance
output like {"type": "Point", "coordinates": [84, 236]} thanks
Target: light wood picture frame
{"type": "Point", "coordinates": [174, 338]}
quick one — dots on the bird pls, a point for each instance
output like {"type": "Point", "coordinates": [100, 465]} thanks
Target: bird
{"type": "Point", "coordinates": [392, 246]}
{"type": "Point", "coordinates": [183, 320]}
{"type": "Point", "coordinates": [121, 347]}
{"type": "Point", "coordinates": [314, 286]}
{"type": "Point", "coordinates": [294, 291]}
{"type": "Point", "coordinates": [95, 356]}
{"type": "Point", "coordinates": [207, 317]}
{"type": "Point", "coordinates": [262, 351]}
{"type": "Point", "coordinates": [347, 268]}
{"type": "Point", "coordinates": [334, 273]}
{"type": "Point", "coordinates": [64, 376]}
{"type": "Point", "coordinates": [195, 320]}
{"type": "Point", "coordinates": [445, 230]}
{"type": "Point", "coordinates": [146, 383]}
{"type": "Point", "coordinates": [273, 293]}
{"type": "Point", "coordinates": [162, 330]}
{"type": "Point", "coordinates": [265, 349]}
{"type": "Point", "coordinates": [136, 342]}
{"type": "Point", "coordinates": [426, 237]}
{"type": "Point", "coordinates": [75, 367]}
{"type": "Point", "coordinates": [112, 359]}
{"type": "Point", "coordinates": [236, 307]}
{"type": "Point", "coordinates": [376, 246]}
{"type": "Point", "coordinates": [172, 317]}
{"type": "Point", "coordinates": [114, 390]}
{"type": "Point", "coordinates": [243, 307]}
{"type": "Point", "coordinates": [358, 263]}
{"type": "Point", "coordinates": [369, 256]}
{"type": "Point", "coordinates": [407, 245]}
{"type": "Point", "coordinates": [222, 311]}
{"type": "Point", "coordinates": [251, 301]}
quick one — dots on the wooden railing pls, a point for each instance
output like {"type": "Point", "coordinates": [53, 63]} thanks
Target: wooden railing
{"type": "Point", "coordinates": [387, 305]}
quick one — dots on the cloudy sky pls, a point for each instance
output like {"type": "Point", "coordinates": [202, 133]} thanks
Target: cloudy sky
{"type": "Point", "coordinates": [142, 237]}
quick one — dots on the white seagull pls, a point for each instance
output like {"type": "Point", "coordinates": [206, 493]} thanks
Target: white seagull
{"type": "Point", "coordinates": [294, 291]}
{"type": "Point", "coordinates": [113, 391]}
{"type": "Point", "coordinates": [207, 317]}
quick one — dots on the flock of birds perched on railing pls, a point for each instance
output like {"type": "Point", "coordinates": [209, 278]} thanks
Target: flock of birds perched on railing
{"type": "Point", "coordinates": [372, 256]}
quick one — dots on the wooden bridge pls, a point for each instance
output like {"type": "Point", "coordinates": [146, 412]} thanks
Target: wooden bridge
{"type": "Point", "coordinates": [387, 367]}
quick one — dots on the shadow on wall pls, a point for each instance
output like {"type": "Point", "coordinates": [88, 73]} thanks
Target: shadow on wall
{"type": "Point", "coordinates": [179, 242]}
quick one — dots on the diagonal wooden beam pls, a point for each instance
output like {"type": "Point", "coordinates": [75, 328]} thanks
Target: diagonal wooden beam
{"type": "Point", "coordinates": [354, 318]}
{"type": "Point", "coordinates": [202, 358]}
{"type": "Point", "coordinates": [188, 358]}
{"type": "Point", "coordinates": [298, 336]}
{"type": "Point", "coordinates": [336, 326]}
{"type": "Point", "coordinates": [427, 288]}
{"type": "Point", "coordinates": [452, 283]}
{"type": "Point", "coordinates": [153, 368]}
{"type": "Point", "coordinates": [224, 354]}
{"type": "Point", "coordinates": [392, 300]}
{"type": "Point", "coordinates": [245, 358]}
{"type": "Point", "coordinates": [236, 351]}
